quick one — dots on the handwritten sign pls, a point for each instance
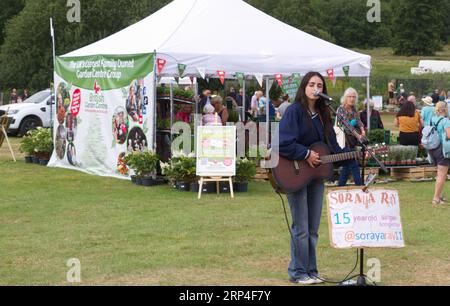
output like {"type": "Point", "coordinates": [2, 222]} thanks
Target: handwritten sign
{"type": "Point", "coordinates": [364, 220]}
{"type": "Point", "coordinates": [216, 151]}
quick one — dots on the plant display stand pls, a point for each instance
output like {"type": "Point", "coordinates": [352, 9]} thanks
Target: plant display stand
{"type": "Point", "coordinates": [409, 173]}
{"type": "Point", "coordinates": [261, 175]}
{"type": "Point", "coordinates": [216, 179]}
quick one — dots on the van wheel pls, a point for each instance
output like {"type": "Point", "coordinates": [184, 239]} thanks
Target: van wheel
{"type": "Point", "coordinates": [28, 124]}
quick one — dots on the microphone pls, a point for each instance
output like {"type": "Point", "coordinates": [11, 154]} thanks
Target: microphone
{"type": "Point", "coordinates": [322, 95]}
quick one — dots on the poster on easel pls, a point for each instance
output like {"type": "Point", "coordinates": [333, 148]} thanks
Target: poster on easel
{"type": "Point", "coordinates": [359, 219]}
{"type": "Point", "coordinates": [104, 110]}
{"type": "Point", "coordinates": [216, 151]}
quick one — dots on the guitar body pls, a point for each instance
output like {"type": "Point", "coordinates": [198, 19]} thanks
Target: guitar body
{"type": "Point", "coordinates": [286, 178]}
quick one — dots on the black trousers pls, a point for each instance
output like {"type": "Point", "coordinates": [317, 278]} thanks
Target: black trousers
{"type": "Point", "coordinates": [409, 139]}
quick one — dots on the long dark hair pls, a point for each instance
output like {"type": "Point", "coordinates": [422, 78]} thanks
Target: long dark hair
{"type": "Point", "coordinates": [408, 109]}
{"type": "Point", "coordinates": [322, 108]}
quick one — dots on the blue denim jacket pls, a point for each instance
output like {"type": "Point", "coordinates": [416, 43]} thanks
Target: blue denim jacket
{"type": "Point", "coordinates": [296, 135]}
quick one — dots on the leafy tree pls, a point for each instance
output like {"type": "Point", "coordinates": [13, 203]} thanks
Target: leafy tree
{"type": "Point", "coordinates": [26, 55]}
{"type": "Point", "coordinates": [8, 9]}
{"type": "Point", "coordinates": [417, 27]}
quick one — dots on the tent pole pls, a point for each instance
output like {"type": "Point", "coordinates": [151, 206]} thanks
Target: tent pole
{"type": "Point", "coordinates": [243, 102]}
{"type": "Point", "coordinates": [155, 84]}
{"type": "Point", "coordinates": [368, 104]}
{"type": "Point", "coordinates": [171, 111]}
{"type": "Point", "coordinates": [52, 90]}
{"type": "Point", "coordinates": [267, 111]}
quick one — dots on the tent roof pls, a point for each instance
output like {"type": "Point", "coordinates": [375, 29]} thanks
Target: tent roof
{"type": "Point", "coordinates": [227, 35]}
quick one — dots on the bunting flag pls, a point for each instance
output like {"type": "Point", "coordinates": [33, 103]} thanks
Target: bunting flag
{"type": "Point", "coordinates": [296, 77]}
{"type": "Point", "coordinates": [279, 78]}
{"type": "Point", "coordinates": [346, 70]}
{"type": "Point", "coordinates": [240, 77]}
{"type": "Point", "coordinates": [202, 72]}
{"type": "Point", "coordinates": [221, 75]}
{"type": "Point", "coordinates": [177, 79]}
{"type": "Point", "coordinates": [181, 69]}
{"type": "Point", "coordinates": [259, 77]}
{"type": "Point", "coordinates": [192, 80]}
{"type": "Point", "coordinates": [330, 73]}
{"type": "Point", "coordinates": [161, 63]}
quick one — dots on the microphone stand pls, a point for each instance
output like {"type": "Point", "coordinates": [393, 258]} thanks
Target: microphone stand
{"type": "Point", "coordinates": [363, 143]}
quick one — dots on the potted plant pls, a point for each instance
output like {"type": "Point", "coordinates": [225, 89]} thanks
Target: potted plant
{"type": "Point", "coordinates": [27, 146]}
{"type": "Point", "coordinates": [43, 144]}
{"type": "Point", "coordinates": [144, 165]}
{"type": "Point", "coordinates": [245, 171]}
{"type": "Point", "coordinates": [180, 170]}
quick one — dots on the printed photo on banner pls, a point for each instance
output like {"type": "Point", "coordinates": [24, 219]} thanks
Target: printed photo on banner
{"type": "Point", "coordinates": [120, 125]}
{"type": "Point", "coordinates": [71, 126]}
{"type": "Point", "coordinates": [71, 154]}
{"type": "Point", "coordinates": [134, 102]}
{"type": "Point", "coordinates": [137, 141]}
{"type": "Point", "coordinates": [60, 143]}
{"type": "Point", "coordinates": [122, 165]}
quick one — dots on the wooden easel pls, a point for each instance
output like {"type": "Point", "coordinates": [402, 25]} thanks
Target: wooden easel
{"type": "Point", "coordinates": [216, 179]}
{"type": "Point", "coordinates": [4, 125]}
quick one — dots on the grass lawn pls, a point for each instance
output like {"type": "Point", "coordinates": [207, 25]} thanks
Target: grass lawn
{"type": "Point", "coordinates": [125, 234]}
{"type": "Point", "coordinates": [386, 63]}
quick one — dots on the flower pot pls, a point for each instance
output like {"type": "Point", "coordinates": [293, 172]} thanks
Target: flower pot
{"type": "Point", "coordinates": [208, 187]}
{"type": "Point", "coordinates": [28, 159]}
{"type": "Point", "coordinates": [183, 186]}
{"type": "Point", "coordinates": [224, 187]}
{"type": "Point", "coordinates": [43, 162]}
{"type": "Point", "coordinates": [147, 181]}
{"type": "Point", "coordinates": [133, 179]}
{"type": "Point", "coordinates": [35, 160]}
{"type": "Point", "coordinates": [240, 186]}
{"type": "Point", "coordinates": [138, 181]}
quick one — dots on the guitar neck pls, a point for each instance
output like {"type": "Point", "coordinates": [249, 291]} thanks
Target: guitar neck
{"type": "Point", "coordinates": [327, 159]}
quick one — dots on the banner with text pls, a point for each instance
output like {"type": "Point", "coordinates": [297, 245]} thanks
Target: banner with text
{"type": "Point", "coordinates": [104, 109]}
{"type": "Point", "coordinates": [358, 219]}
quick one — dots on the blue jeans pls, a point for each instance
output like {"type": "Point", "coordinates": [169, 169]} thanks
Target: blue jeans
{"type": "Point", "coordinates": [353, 167]}
{"type": "Point", "coordinates": [306, 209]}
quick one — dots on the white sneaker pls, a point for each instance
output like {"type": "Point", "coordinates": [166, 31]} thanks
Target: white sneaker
{"type": "Point", "coordinates": [303, 281]}
{"type": "Point", "coordinates": [316, 278]}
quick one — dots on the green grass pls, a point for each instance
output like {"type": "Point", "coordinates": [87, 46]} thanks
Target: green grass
{"type": "Point", "coordinates": [386, 63]}
{"type": "Point", "coordinates": [124, 234]}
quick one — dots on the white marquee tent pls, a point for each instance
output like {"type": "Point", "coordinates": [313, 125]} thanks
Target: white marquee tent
{"type": "Point", "coordinates": [231, 36]}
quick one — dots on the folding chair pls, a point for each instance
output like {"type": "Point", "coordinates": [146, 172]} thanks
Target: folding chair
{"type": "Point", "coordinates": [4, 125]}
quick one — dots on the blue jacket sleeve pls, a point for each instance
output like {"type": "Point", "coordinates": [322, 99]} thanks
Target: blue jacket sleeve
{"type": "Point", "coordinates": [290, 127]}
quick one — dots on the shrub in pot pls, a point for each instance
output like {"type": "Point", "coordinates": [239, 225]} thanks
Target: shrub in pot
{"type": "Point", "coordinates": [245, 171]}
{"type": "Point", "coordinates": [144, 166]}
{"type": "Point", "coordinates": [43, 142]}
{"type": "Point", "coordinates": [180, 170]}
{"type": "Point", "coordinates": [27, 146]}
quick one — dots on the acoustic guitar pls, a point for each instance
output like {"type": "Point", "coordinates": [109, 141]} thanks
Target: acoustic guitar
{"type": "Point", "coordinates": [290, 176]}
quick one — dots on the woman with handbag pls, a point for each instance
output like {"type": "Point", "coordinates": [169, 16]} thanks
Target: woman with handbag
{"type": "Point", "coordinates": [348, 111]}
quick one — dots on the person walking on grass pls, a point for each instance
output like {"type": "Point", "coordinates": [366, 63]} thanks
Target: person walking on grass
{"type": "Point", "coordinates": [441, 155]}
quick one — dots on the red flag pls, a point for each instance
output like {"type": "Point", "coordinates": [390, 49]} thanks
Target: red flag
{"type": "Point", "coordinates": [221, 75]}
{"type": "Point", "coordinates": [330, 73]}
{"type": "Point", "coordinates": [279, 78]}
{"type": "Point", "coordinates": [161, 63]}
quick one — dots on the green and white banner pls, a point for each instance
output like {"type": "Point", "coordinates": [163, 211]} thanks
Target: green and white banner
{"type": "Point", "coordinates": [104, 109]}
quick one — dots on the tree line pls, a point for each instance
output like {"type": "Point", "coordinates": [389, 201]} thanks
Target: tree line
{"type": "Point", "coordinates": [411, 27]}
